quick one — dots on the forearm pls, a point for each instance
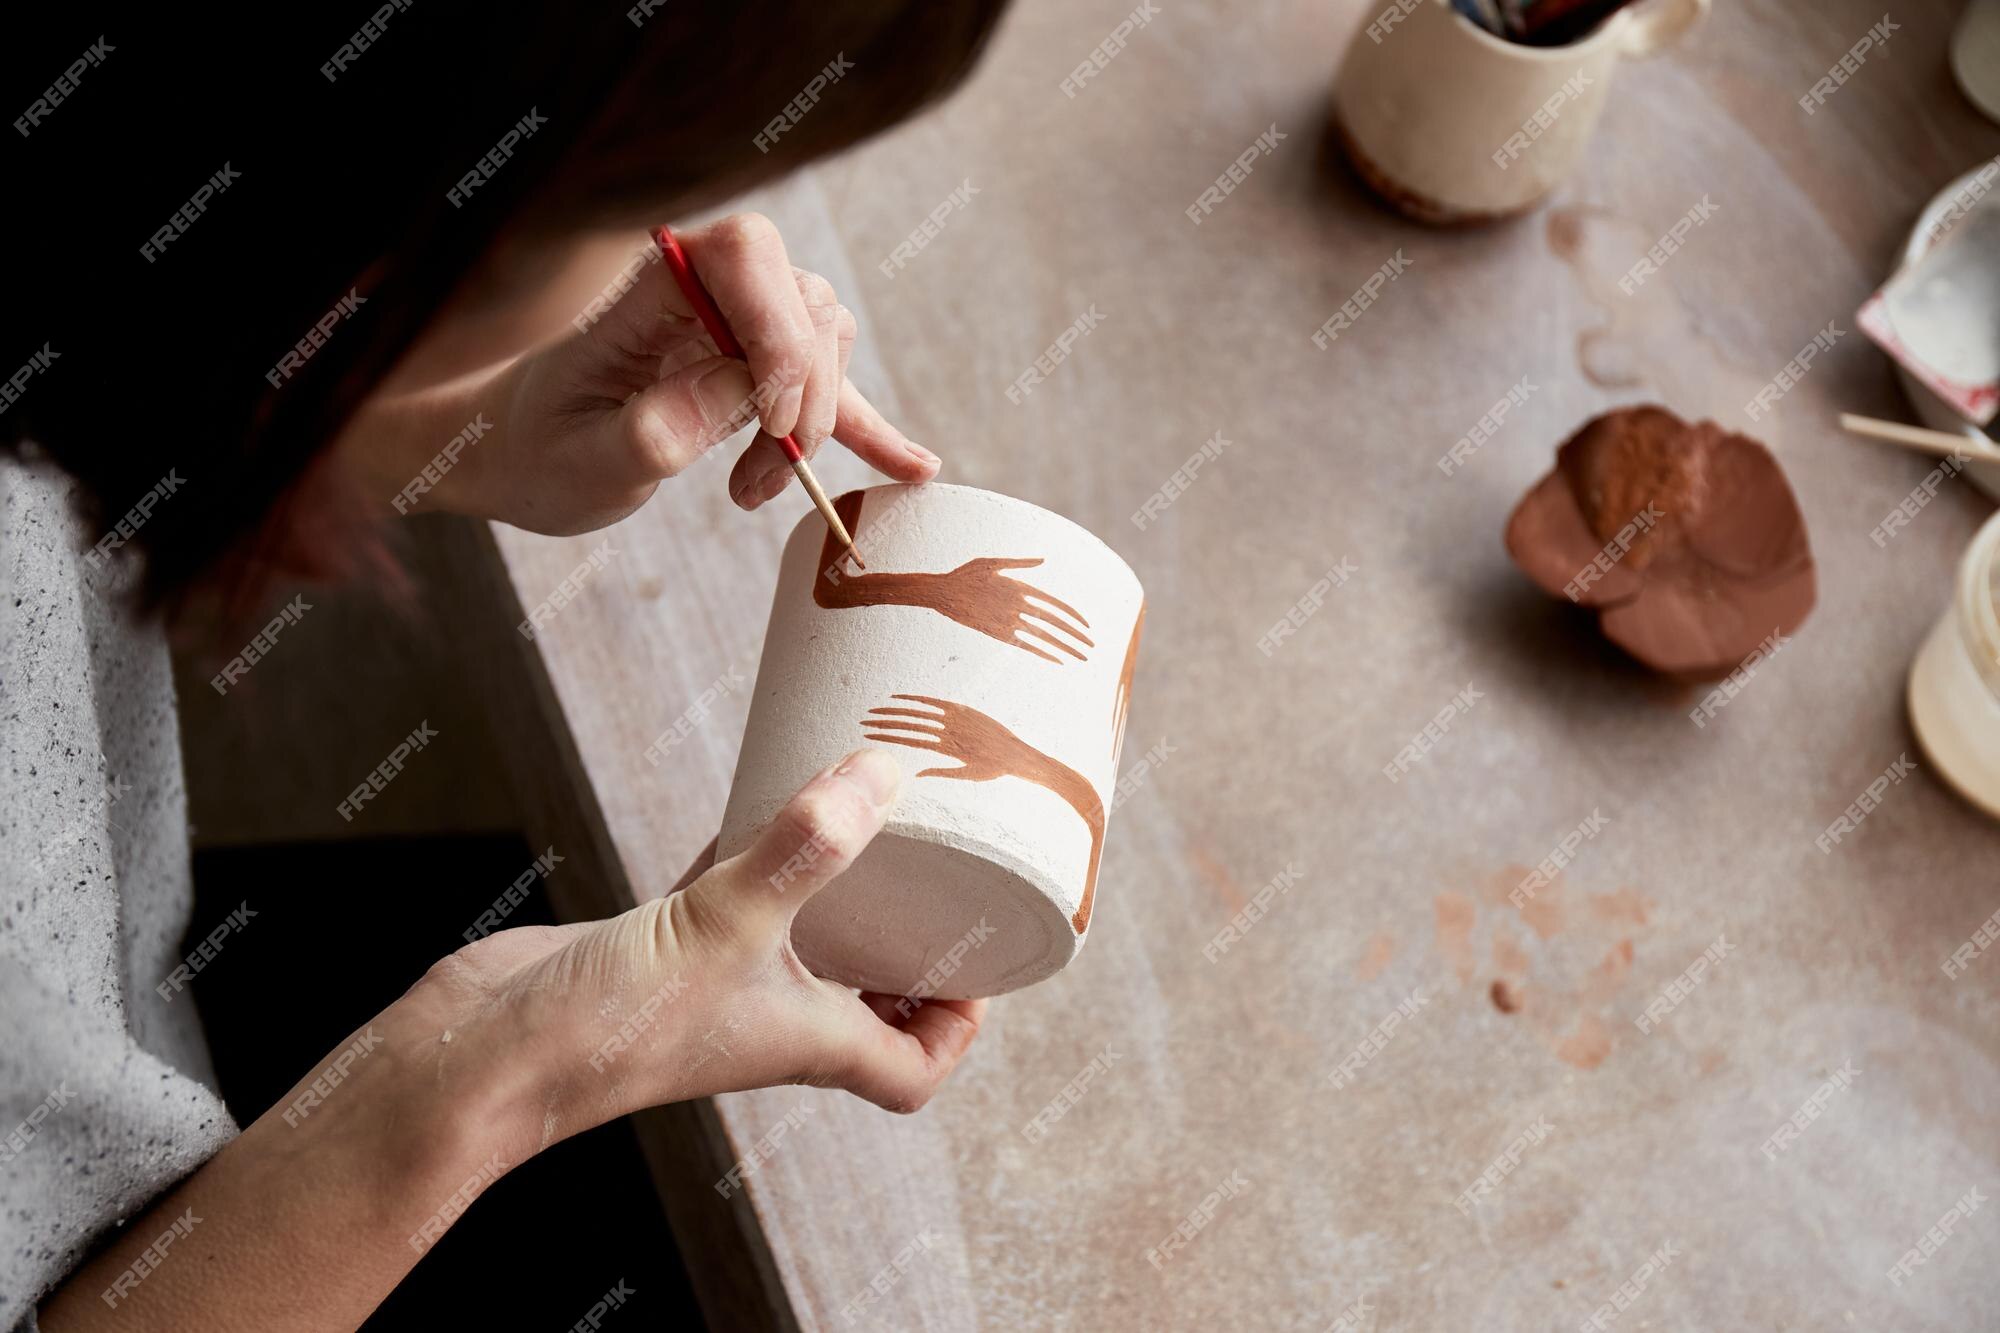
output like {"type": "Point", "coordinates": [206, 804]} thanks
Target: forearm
{"type": "Point", "coordinates": [417, 450]}
{"type": "Point", "coordinates": [517, 1041]}
{"type": "Point", "coordinates": [311, 1216]}
{"type": "Point", "coordinates": [838, 588]}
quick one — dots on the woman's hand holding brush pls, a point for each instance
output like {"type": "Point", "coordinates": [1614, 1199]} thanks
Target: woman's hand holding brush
{"type": "Point", "coordinates": [577, 433]}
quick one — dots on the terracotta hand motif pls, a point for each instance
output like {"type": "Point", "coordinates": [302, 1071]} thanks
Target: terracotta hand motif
{"type": "Point", "coordinates": [1121, 703]}
{"type": "Point", "coordinates": [979, 594]}
{"type": "Point", "coordinates": [986, 750]}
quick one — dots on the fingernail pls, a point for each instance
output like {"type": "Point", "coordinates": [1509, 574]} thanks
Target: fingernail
{"type": "Point", "coordinates": [772, 483]}
{"type": "Point", "coordinates": [751, 491]}
{"type": "Point", "coordinates": [723, 393]}
{"type": "Point", "coordinates": [874, 773]}
{"type": "Point", "coordinates": [785, 411]}
{"type": "Point", "coordinates": [923, 453]}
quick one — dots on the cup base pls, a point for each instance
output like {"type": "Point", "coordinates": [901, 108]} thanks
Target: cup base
{"type": "Point", "coordinates": [1411, 204]}
{"type": "Point", "coordinates": [918, 917]}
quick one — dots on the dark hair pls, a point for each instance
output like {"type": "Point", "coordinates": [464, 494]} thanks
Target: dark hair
{"type": "Point", "coordinates": [221, 193]}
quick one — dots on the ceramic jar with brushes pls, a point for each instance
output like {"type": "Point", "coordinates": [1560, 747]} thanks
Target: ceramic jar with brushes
{"type": "Point", "coordinates": [1450, 123]}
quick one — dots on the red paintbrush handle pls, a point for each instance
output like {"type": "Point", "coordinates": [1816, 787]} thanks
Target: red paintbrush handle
{"type": "Point", "coordinates": [705, 311]}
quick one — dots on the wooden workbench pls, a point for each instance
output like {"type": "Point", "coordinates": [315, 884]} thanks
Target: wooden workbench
{"type": "Point", "coordinates": [1219, 1066]}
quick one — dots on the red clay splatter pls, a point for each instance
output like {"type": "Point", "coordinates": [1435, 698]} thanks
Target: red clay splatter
{"type": "Point", "coordinates": [1381, 948]}
{"type": "Point", "coordinates": [1495, 888]}
{"type": "Point", "coordinates": [1455, 913]}
{"type": "Point", "coordinates": [1504, 998]}
{"type": "Point", "coordinates": [1508, 955]}
{"type": "Point", "coordinates": [1603, 981]}
{"type": "Point", "coordinates": [1217, 878]}
{"type": "Point", "coordinates": [1620, 907]}
{"type": "Point", "coordinates": [1588, 1045]}
{"type": "Point", "coordinates": [1543, 913]}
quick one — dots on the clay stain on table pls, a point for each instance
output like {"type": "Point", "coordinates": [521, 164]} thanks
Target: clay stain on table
{"type": "Point", "coordinates": [1598, 355]}
{"type": "Point", "coordinates": [1508, 955]}
{"type": "Point", "coordinates": [1586, 1047]}
{"type": "Point", "coordinates": [1610, 970]}
{"type": "Point", "coordinates": [1648, 336]}
{"type": "Point", "coordinates": [1375, 958]}
{"type": "Point", "coordinates": [1542, 912]}
{"type": "Point", "coordinates": [1218, 879]}
{"type": "Point", "coordinates": [1455, 914]}
{"type": "Point", "coordinates": [1575, 1016]}
{"type": "Point", "coordinates": [1620, 907]}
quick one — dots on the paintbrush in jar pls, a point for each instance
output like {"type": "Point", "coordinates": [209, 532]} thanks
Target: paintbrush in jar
{"type": "Point", "coordinates": [725, 343]}
{"type": "Point", "coordinates": [1554, 22]}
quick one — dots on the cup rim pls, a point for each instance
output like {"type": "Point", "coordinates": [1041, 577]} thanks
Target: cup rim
{"type": "Point", "coordinates": [1585, 45]}
{"type": "Point", "coordinates": [811, 519]}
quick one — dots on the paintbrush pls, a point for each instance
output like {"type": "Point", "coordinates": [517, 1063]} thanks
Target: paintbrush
{"type": "Point", "coordinates": [1917, 437]}
{"type": "Point", "coordinates": [725, 343]}
{"type": "Point", "coordinates": [1482, 14]}
{"type": "Point", "coordinates": [1554, 22]}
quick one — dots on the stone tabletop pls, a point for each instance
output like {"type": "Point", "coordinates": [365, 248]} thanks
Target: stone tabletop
{"type": "Point", "coordinates": [1709, 1071]}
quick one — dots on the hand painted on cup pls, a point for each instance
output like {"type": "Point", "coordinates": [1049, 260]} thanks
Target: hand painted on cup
{"type": "Point", "coordinates": [980, 594]}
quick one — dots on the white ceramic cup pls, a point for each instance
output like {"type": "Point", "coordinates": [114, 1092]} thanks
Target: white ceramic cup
{"type": "Point", "coordinates": [989, 647]}
{"type": "Point", "coordinates": [1975, 56]}
{"type": "Point", "coordinates": [1450, 124]}
{"type": "Point", "coordinates": [1954, 693]}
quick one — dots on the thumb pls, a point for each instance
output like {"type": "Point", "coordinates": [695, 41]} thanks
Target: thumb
{"type": "Point", "coordinates": [677, 419]}
{"type": "Point", "coordinates": [813, 839]}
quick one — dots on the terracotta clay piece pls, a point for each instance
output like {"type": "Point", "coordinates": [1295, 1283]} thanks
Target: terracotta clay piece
{"type": "Point", "coordinates": [1686, 539]}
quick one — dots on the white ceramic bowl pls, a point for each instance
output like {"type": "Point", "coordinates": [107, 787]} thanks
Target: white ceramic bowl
{"type": "Point", "coordinates": [1932, 410]}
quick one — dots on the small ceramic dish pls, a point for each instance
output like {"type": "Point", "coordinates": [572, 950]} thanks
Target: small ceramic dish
{"type": "Point", "coordinates": [1932, 410]}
